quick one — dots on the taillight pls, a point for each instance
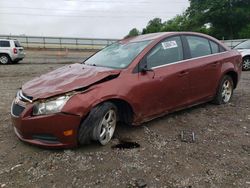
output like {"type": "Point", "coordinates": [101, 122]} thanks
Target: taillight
{"type": "Point", "coordinates": [15, 50]}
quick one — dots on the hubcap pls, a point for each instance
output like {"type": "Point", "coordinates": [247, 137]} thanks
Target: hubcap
{"type": "Point", "coordinates": [227, 91]}
{"type": "Point", "coordinates": [107, 127]}
{"type": "Point", "coordinates": [246, 64]}
{"type": "Point", "coordinates": [3, 59]}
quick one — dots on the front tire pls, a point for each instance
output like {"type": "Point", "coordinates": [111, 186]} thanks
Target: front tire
{"type": "Point", "coordinates": [225, 91]}
{"type": "Point", "coordinates": [4, 59]}
{"type": "Point", "coordinates": [246, 64]}
{"type": "Point", "coordinates": [99, 125]}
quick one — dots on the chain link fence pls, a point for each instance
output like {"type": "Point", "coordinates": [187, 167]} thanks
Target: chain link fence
{"type": "Point", "coordinates": [77, 43]}
{"type": "Point", "coordinates": [60, 42]}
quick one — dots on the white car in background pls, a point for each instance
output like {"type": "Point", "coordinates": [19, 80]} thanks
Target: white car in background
{"type": "Point", "coordinates": [10, 51]}
{"type": "Point", "coordinates": [244, 49]}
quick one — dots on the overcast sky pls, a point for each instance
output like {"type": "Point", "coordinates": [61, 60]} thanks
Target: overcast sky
{"type": "Point", "coordinates": [83, 18]}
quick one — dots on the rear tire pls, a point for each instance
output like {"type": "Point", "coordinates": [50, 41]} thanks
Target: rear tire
{"type": "Point", "coordinates": [16, 61]}
{"type": "Point", "coordinates": [225, 91]}
{"type": "Point", "coordinates": [246, 64]}
{"type": "Point", "coordinates": [99, 125]}
{"type": "Point", "coordinates": [4, 59]}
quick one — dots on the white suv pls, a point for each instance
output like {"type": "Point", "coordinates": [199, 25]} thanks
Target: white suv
{"type": "Point", "coordinates": [244, 49]}
{"type": "Point", "coordinates": [10, 51]}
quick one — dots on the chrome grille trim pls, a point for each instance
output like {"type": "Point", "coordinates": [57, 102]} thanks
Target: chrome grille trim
{"type": "Point", "coordinates": [21, 96]}
{"type": "Point", "coordinates": [19, 104]}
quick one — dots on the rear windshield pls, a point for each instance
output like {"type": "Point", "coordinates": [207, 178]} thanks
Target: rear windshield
{"type": "Point", "coordinates": [243, 45]}
{"type": "Point", "coordinates": [118, 55]}
{"type": "Point", "coordinates": [4, 43]}
{"type": "Point", "coordinates": [17, 44]}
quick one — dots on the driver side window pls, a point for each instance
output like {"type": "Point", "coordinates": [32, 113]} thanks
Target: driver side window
{"type": "Point", "coordinates": [168, 51]}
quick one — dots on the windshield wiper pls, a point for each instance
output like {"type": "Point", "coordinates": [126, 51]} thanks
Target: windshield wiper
{"type": "Point", "coordinates": [91, 65]}
{"type": "Point", "coordinates": [240, 48]}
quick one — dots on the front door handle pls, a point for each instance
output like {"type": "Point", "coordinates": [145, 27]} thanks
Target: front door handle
{"type": "Point", "coordinates": [183, 73]}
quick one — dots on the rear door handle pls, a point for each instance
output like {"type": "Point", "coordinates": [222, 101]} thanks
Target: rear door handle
{"type": "Point", "coordinates": [215, 64]}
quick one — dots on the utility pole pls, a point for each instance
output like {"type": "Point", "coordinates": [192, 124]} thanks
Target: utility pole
{"type": "Point", "coordinates": [230, 19]}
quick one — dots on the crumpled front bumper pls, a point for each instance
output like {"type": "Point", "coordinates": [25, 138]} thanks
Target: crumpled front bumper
{"type": "Point", "coordinates": [46, 130]}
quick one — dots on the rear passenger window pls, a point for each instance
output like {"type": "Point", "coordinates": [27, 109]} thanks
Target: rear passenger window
{"type": "Point", "coordinates": [222, 49]}
{"type": "Point", "coordinates": [198, 46]}
{"type": "Point", "coordinates": [17, 44]}
{"type": "Point", "coordinates": [166, 52]}
{"type": "Point", "coordinates": [4, 43]}
{"type": "Point", "coordinates": [214, 47]}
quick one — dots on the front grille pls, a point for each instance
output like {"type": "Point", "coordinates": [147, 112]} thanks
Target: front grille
{"type": "Point", "coordinates": [17, 109]}
{"type": "Point", "coordinates": [48, 138]}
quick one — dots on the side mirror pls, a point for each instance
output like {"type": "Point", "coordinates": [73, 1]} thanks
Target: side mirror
{"type": "Point", "coordinates": [145, 69]}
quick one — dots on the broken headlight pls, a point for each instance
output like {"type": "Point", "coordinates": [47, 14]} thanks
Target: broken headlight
{"type": "Point", "coordinates": [50, 106]}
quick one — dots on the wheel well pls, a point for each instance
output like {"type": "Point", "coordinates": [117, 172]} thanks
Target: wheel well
{"type": "Point", "coordinates": [125, 110]}
{"type": "Point", "coordinates": [5, 54]}
{"type": "Point", "coordinates": [247, 56]}
{"type": "Point", "coordinates": [234, 76]}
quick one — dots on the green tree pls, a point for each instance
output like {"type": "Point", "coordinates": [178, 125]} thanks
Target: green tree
{"type": "Point", "coordinates": [245, 32]}
{"type": "Point", "coordinates": [178, 23]}
{"type": "Point", "coordinates": [133, 32]}
{"type": "Point", "coordinates": [153, 26]}
{"type": "Point", "coordinates": [226, 17]}
{"type": "Point", "coordinates": [223, 19]}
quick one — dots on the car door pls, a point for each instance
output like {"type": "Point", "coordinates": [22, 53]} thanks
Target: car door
{"type": "Point", "coordinates": [4, 46]}
{"type": "Point", "coordinates": [164, 85]}
{"type": "Point", "coordinates": [205, 62]}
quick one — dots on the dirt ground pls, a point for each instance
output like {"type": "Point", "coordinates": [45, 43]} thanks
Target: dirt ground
{"type": "Point", "coordinates": [219, 156]}
{"type": "Point", "coordinates": [46, 56]}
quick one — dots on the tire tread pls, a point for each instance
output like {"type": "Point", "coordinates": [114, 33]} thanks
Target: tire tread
{"type": "Point", "coordinates": [85, 134]}
{"type": "Point", "coordinates": [218, 99]}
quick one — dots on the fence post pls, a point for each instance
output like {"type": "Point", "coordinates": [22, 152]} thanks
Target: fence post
{"type": "Point", "coordinates": [44, 42]}
{"type": "Point", "coordinates": [60, 41]}
{"type": "Point", "coordinates": [27, 42]}
{"type": "Point", "coordinates": [92, 44]}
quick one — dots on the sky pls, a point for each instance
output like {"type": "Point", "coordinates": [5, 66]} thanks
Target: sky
{"type": "Point", "coordinates": [83, 18]}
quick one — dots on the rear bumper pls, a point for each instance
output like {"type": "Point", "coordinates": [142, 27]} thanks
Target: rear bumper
{"type": "Point", "coordinates": [48, 130]}
{"type": "Point", "coordinates": [18, 57]}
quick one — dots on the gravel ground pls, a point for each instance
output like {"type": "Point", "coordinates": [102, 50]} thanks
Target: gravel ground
{"type": "Point", "coordinates": [219, 156]}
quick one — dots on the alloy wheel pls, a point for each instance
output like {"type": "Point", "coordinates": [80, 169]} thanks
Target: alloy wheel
{"type": "Point", "coordinates": [227, 90]}
{"type": "Point", "coordinates": [246, 64]}
{"type": "Point", "coordinates": [107, 127]}
{"type": "Point", "coordinates": [4, 59]}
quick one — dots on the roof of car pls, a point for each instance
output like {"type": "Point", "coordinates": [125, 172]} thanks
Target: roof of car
{"type": "Point", "coordinates": [8, 39]}
{"type": "Point", "coordinates": [151, 36]}
{"type": "Point", "coordinates": [161, 35]}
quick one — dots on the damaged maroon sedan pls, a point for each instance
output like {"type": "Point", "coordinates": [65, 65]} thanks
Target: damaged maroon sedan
{"type": "Point", "coordinates": [132, 81]}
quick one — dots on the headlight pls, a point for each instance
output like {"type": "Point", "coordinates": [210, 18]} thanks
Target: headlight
{"type": "Point", "coordinates": [50, 106]}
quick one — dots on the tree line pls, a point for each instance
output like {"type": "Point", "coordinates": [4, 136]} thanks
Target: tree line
{"type": "Point", "coordinates": [223, 19]}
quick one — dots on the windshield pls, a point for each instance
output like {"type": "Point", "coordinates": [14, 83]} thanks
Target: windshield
{"type": "Point", "coordinates": [118, 55]}
{"type": "Point", "coordinates": [243, 45]}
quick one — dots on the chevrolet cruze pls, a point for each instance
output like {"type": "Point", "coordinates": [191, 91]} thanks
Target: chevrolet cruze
{"type": "Point", "coordinates": [132, 81]}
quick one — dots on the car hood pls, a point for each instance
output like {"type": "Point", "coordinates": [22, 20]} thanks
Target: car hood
{"type": "Point", "coordinates": [240, 50]}
{"type": "Point", "coordinates": [66, 79]}
{"type": "Point", "coordinates": [244, 52]}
